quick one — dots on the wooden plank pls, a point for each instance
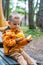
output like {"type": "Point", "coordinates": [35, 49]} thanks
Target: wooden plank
{"type": "Point", "coordinates": [7, 60]}
{"type": "Point", "coordinates": [2, 61]}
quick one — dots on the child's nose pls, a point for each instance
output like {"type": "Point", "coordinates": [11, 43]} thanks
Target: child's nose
{"type": "Point", "coordinates": [16, 25]}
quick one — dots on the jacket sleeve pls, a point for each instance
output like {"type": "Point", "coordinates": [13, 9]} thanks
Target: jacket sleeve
{"type": "Point", "coordinates": [25, 41]}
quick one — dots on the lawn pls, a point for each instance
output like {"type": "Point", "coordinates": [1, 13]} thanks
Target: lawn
{"type": "Point", "coordinates": [36, 33]}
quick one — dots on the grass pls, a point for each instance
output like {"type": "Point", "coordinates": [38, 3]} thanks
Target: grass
{"type": "Point", "coordinates": [36, 33]}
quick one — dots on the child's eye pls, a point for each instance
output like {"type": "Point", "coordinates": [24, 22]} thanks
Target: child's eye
{"type": "Point", "coordinates": [14, 24]}
{"type": "Point", "coordinates": [18, 24]}
{"type": "Point", "coordinates": [16, 17]}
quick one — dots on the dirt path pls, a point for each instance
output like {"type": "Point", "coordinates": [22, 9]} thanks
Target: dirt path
{"type": "Point", "coordinates": [35, 49]}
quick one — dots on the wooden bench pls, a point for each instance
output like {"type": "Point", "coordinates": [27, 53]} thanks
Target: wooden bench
{"type": "Point", "coordinates": [5, 60]}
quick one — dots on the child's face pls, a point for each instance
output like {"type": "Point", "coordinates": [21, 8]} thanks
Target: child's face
{"type": "Point", "coordinates": [14, 23]}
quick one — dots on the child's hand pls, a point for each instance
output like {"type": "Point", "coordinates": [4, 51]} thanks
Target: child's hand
{"type": "Point", "coordinates": [29, 38]}
{"type": "Point", "coordinates": [19, 39]}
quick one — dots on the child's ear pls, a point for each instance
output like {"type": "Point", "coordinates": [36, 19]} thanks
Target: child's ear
{"type": "Point", "coordinates": [21, 19]}
{"type": "Point", "coordinates": [8, 22]}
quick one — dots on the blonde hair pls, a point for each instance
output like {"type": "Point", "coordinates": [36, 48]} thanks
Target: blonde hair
{"type": "Point", "coordinates": [11, 16]}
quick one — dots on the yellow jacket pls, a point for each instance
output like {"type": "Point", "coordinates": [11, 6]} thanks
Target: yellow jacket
{"type": "Point", "coordinates": [13, 41]}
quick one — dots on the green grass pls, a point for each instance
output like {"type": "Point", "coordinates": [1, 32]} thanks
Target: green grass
{"type": "Point", "coordinates": [36, 33]}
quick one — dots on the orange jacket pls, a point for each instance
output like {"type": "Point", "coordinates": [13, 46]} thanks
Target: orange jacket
{"type": "Point", "coordinates": [13, 40]}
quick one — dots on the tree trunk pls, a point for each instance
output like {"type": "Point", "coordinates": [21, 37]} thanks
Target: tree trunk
{"type": "Point", "coordinates": [7, 8]}
{"type": "Point", "coordinates": [31, 15]}
{"type": "Point", "coordinates": [2, 19]}
{"type": "Point", "coordinates": [5, 4]}
{"type": "Point", "coordinates": [39, 20]}
{"type": "Point", "coordinates": [25, 12]}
